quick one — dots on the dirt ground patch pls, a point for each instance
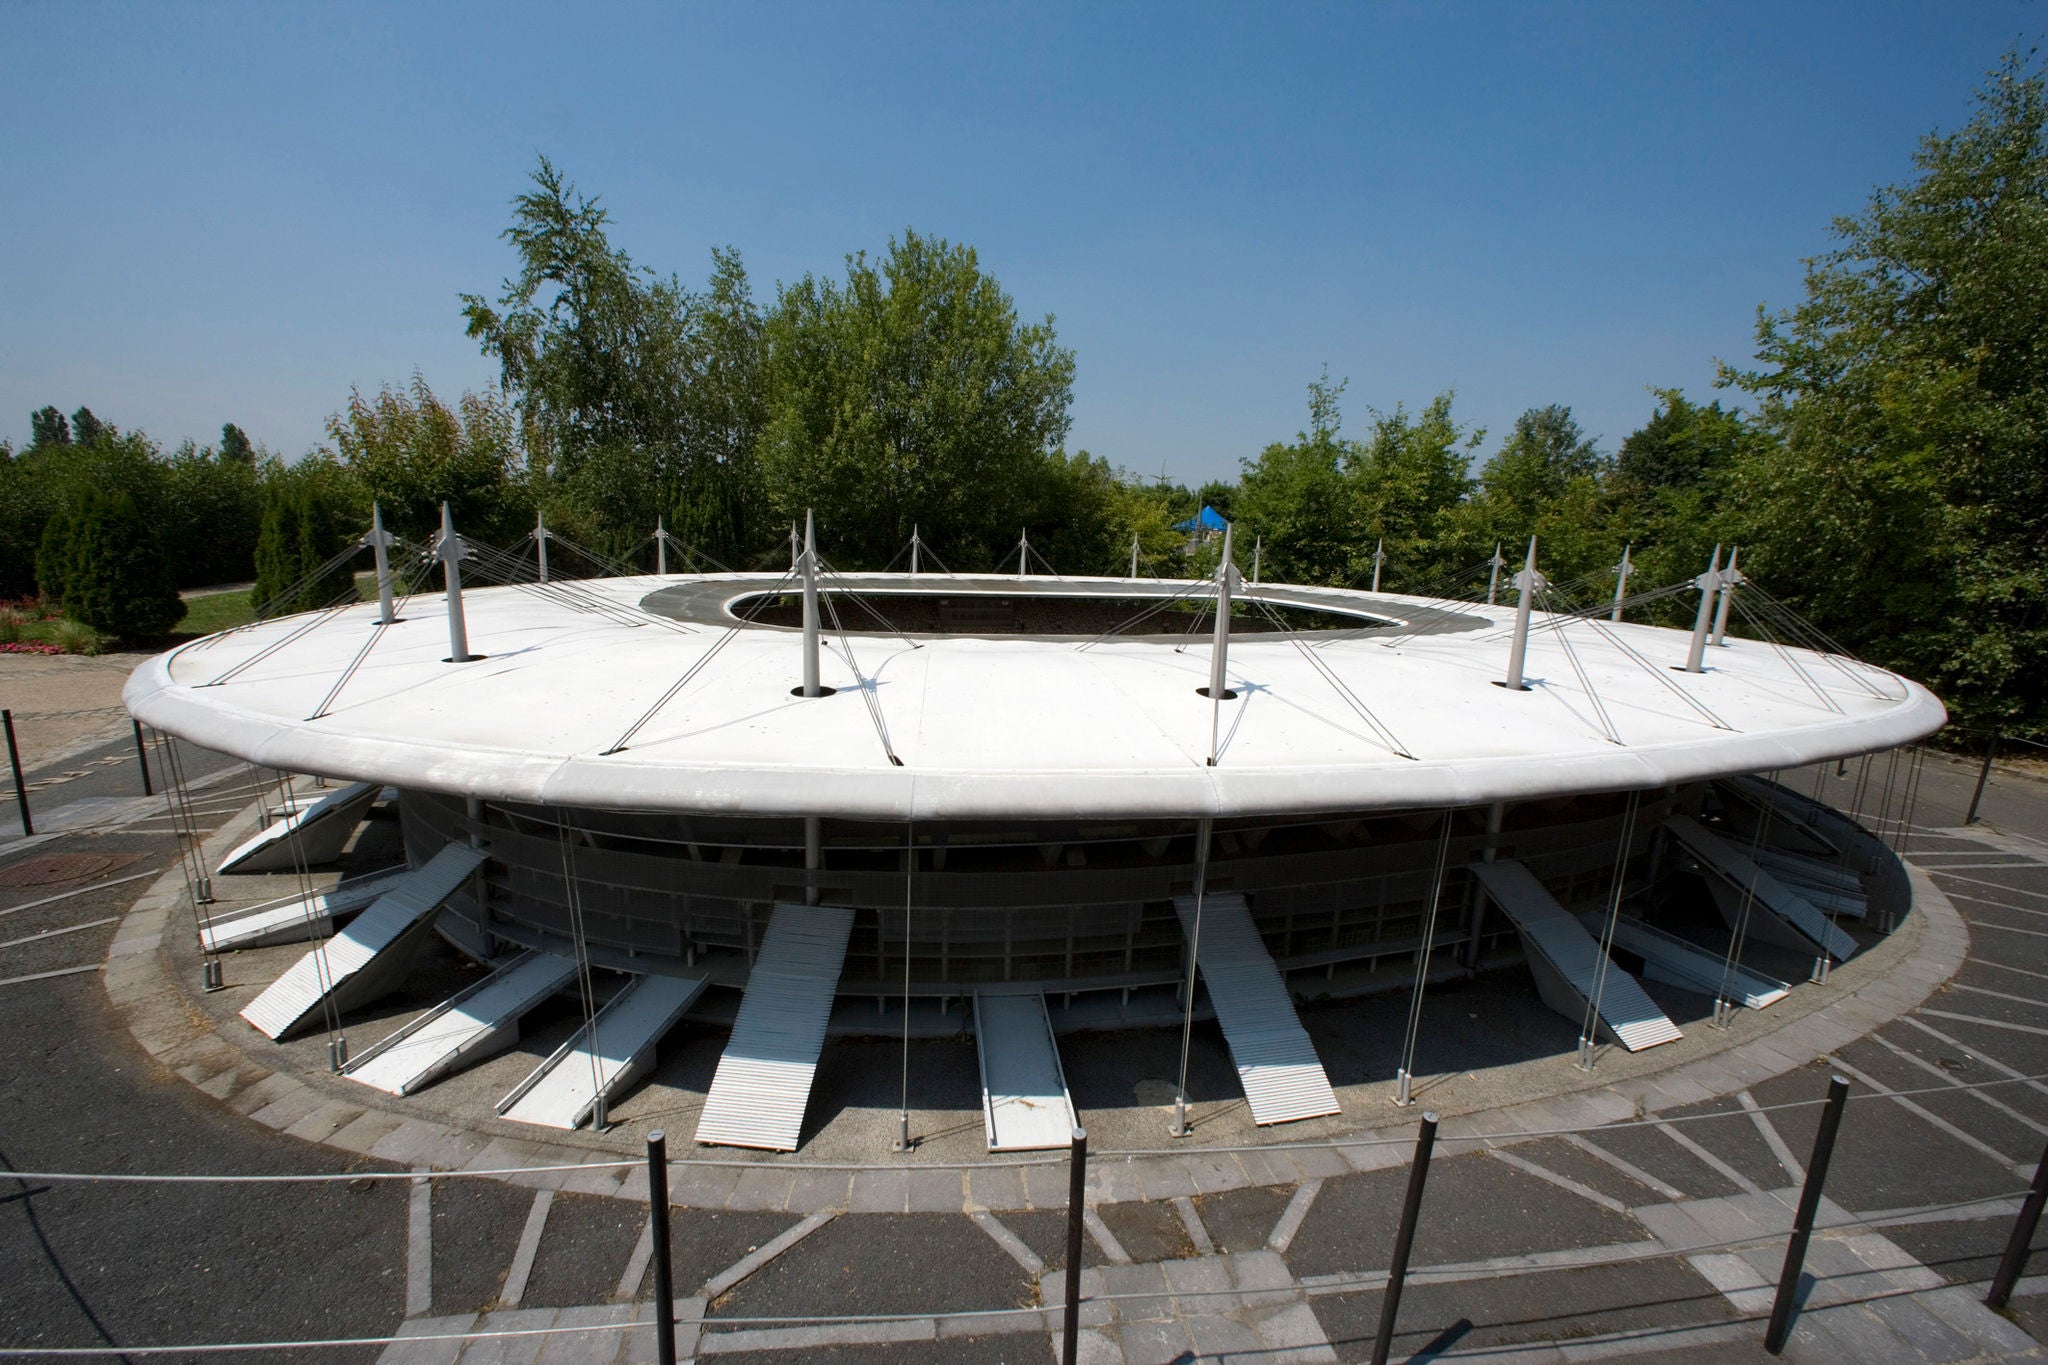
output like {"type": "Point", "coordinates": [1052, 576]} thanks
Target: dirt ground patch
{"type": "Point", "coordinates": [64, 703]}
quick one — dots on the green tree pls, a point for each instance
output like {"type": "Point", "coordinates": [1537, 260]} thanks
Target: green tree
{"type": "Point", "coordinates": [911, 394]}
{"type": "Point", "coordinates": [1411, 478]}
{"type": "Point", "coordinates": [409, 452]}
{"type": "Point", "coordinates": [1906, 506]}
{"type": "Point", "coordinates": [642, 397]}
{"type": "Point", "coordinates": [1545, 481]}
{"type": "Point", "coordinates": [1298, 497]}
{"type": "Point", "coordinates": [48, 428]}
{"type": "Point", "coordinates": [119, 579]}
{"type": "Point", "coordinates": [302, 530]}
{"type": "Point", "coordinates": [87, 429]}
{"type": "Point", "coordinates": [235, 447]}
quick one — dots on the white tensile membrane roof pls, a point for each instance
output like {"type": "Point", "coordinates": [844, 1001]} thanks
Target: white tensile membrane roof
{"type": "Point", "coordinates": [1015, 726]}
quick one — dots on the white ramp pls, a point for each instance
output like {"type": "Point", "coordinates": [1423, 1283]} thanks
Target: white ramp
{"type": "Point", "coordinates": [469, 1026]}
{"type": "Point", "coordinates": [1829, 887]}
{"type": "Point", "coordinates": [1735, 874]}
{"type": "Point", "coordinates": [764, 1078]}
{"type": "Point", "coordinates": [1276, 1062]}
{"type": "Point", "coordinates": [294, 919]}
{"type": "Point", "coordinates": [1667, 957]}
{"type": "Point", "coordinates": [1560, 949]}
{"type": "Point", "coordinates": [1024, 1102]}
{"type": "Point", "coordinates": [1805, 818]}
{"type": "Point", "coordinates": [607, 1056]}
{"type": "Point", "coordinates": [346, 967]}
{"type": "Point", "coordinates": [321, 831]}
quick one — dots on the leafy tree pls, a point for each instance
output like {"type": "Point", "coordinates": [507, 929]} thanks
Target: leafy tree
{"type": "Point", "coordinates": [87, 429]}
{"type": "Point", "coordinates": [303, 528]}
{"type": "Point", "coordinates": [1545, 481]}
{"type": "Point", "coordinates": [409, 452]}
{"type": "Point", "coordinates": [1906, 506]}
{"type": "Point", "coordinates": [235, 447]}
{"type": "Point", "coordinates": [1411, 478]}
{"type": "Point", "coordinates": [115, 575]}
{"type": "Point", "coordinates": [911, 394]}
{"type": "Point", "coordinates": [212, 505]}
{"type": "Point", "coordinates": [1299, 498]}
{"type": "Point", "coordinates": [642, 397]}
{"type": "Point", "coordinates": [49, 428]}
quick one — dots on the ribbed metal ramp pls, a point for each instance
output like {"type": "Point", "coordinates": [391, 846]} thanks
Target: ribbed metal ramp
{"type": "Point", "coordinates": [1667, 957]}
{"type": "Point", "coordinates": [1738, 874]}
{"type": "Point", "coordinates": [1827, 885]}
{"type": "Point", "coordinates": [1024, 1101]}
{"type": "Point", "coordinates": [1560, 948]}
{"type": "Point", "coordinates": [346, 965]}
{"type": "Point", "coordinates": [469, 1026]}
{"type": "Point", "coordinates": [1276, 1062]}
{"type": "Point", "coordinates": [295, 919]}
{"type": "Point", "coordinates": [609, 1055]}
{"type": "Point", "coordinates": [321, 831]}
{"type": "Point", "coordinates": [764, 1078]}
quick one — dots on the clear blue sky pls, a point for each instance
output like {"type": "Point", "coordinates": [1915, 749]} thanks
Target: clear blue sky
{"type": "Point", "coordinates": [234, 213]}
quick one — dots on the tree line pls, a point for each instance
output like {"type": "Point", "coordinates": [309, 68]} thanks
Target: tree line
{"type": "Point", "coordinates": [1880, 463]}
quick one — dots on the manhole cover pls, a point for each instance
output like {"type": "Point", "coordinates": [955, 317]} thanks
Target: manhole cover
{"type": "Point", "coordinates": [55, 869]}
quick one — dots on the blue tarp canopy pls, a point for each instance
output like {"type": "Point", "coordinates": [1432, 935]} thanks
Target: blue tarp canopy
{"type": "Point", "coordinates": [1208, 519]}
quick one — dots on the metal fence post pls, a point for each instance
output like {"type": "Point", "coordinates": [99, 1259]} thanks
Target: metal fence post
{"type": "Point", "coordinates": [1983, 776]}
{"type": "Point", "coordinates": [1404, 1241]}
{"type": "Point", "coordinates": [664, 1272]}
{"type": "Point", "coordinates": [142, 757]}
{"type": "Point", "coordinates": [1077, 1194]}
{"type": "Point", "coordinates": [2022, 1237]}
{"type": "Point", "coordinates": [1802, 1220]}
{"type": "Point", "coordinates": [14, 762]}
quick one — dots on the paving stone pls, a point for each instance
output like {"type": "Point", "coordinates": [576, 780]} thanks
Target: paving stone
{"type": "Point", "coordinates": [1152, 1342]}
{"type": "Point", "coordinates": [998, 1187]}
{"type": "Point", "coordinates": [761, 1187]}
{"type": "Point", "coordinates": [819, 1191]}
{"type": "Point", "coordinates": [365, 1132]}
{"type": "Point", "coordinates": [880, 1192]}
{"type": "Point", "coordinates": [935, 1191]}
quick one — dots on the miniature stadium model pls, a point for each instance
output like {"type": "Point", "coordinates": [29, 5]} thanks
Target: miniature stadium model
{"type": "Point", "coordinates": [1085, 792]}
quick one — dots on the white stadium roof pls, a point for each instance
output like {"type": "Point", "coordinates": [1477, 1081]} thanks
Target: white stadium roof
{"type": "Point", "coordinates": [1002, 726]}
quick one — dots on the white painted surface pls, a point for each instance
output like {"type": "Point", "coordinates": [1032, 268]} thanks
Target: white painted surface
{"type": "Point", "coordinates": [481, 1019]}
{"type": "Point", "coordinates": [1024, 1102]}
{"type": "Point", "coordinates": [1734, 867]}
{"type": "Point", "coordinates": [310, 836]}
{"type": "Point", "coordinates": [331, 965]}
{"type": "Point", "coordinates": [1276, 1060]}
{"type": "Point", "coordinates": [763, 1082]}
{"type": "Point", "coordinates": [1009, 726]}
{"type": "Point", "coordinates": [605, 1056]}
{"type": "Point", "coordinates": [1547, 928]}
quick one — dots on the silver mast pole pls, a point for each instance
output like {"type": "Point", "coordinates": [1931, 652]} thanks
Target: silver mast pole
{"type": "Point", "coordinates": [1707, 583]}
{"type": "Point", "coordinates": [913, 547]}
{"type": "Point", "coordinates": [1528, 581]}
{"type": "Point", "coordinates": [1729, 578]}
{"type": "Point", "coordinates": [450, 552]}
{"type": "Point", "coordinates": [1258, 548]}
{"type": "Point", "coordinates": [810, 567]}
{"type": "Point", "coordinates": [1493, 578]}
{"type": "Point", "coordinates": [1379, 559]}
{"type": "Point", "coordinates": [1219, 650]}
{"type": "Point", "coordinates": [379, 540]}
{"type": "Point", "coordinates": [540, 540]}
{"type": "Point", "coordinates": [1621, 573]}
{"type": "Point", "coordinates": [1023, 552]}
